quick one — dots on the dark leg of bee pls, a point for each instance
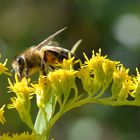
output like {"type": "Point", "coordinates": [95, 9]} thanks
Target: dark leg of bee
{"type": "Point", "coordinates": [20, 74]}
{"type": "Point", "coordinates": [26, 72]}
{"type": "Point", "coordinates": [19, 77]}
{"type": "Point", "coordinates": [51, 68]}
{"type": "Point", "coordinates": [45, 56]}
{"type": "Point", "coordinates": [43, 68]}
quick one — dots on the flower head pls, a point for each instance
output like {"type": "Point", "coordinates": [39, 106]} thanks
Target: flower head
{"type": "Point", "coordinates": [22, 100]}
{"type": "Point", "coordinates": [22, 88]}
{"type": "Point", "coordinates": [121, 79]}
{"type": "Point", "coordinates": [90, 83]}
{"type": "Point", "coordinates": [136, 91]}
{"type": "Point", "coordinates": [96, 73]}
{"type": "Point", "coordinates": [3, 69]}
{"type": "Point", "coordinates": [62, 81]}
{"type": "Point", "coordinates": [2, 119]}
{"type": "Point", "coordinates": [127, 88]}
{"type": "Point", "coordinates": [101, 67]}
{"type": "Point", "coordinates": [67, 63]}
{"type": "Point", "coordinates": [43, 91]}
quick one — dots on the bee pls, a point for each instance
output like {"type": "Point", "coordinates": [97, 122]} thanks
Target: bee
{"type": "Point", "coordinates": [39, 58]}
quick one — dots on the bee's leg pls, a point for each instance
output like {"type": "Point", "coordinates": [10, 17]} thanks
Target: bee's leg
{"type": "Point", "coordinates": [19, 74]}
{"type": "Point", "coordinates": [43, 68]}
{"type": "Point", "coordinates": [26, 72]}
{"type": "Point", "coordinates": [51, 68]}
{"type": "Point", "coordinates": [19, 77]}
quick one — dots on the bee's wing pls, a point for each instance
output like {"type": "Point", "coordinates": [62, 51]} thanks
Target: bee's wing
{"type": "Point", "coordinates": [48, 41]}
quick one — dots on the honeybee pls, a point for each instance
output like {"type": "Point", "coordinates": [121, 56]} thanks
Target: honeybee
{"type": "Point", "coordinates": [39, 58]}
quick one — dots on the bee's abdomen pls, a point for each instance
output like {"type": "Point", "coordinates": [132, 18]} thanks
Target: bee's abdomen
{"type": "Point", "coordinates": [52, 56]}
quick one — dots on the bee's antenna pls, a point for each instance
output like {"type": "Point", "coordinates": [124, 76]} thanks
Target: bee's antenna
{"type": "Point", "coordinates": [76, 45]}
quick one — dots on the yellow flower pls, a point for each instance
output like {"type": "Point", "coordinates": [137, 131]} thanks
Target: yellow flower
{"type": "Point", "coordinates": [55, 84]}
{"type": "Point", "coordinates": [90, 84]}
{"type": "Point", "coordinates": [127, 88]}
{"type": "Point", "coordinates": [23, 136]}
{"type": "Point", "coordinates": [67, 63]}
{"type": "Point", "coordinates": [101, 67]}
{"type": "Point", "coordinates": [97, 73]}
{"type": "Point", "coordinates": [62, 81]}
{"type": "Point", "coordinates": [22, 88]}
{"type": "Point", "coordinates": [136, 91]}
{"type": "Point", "coordinates": [120, 76]}
{"type": "Point", "coordinates": [3, 69]}
{"type": "Point", "coordinates": [43, 91]}
{"type": "Point", "coordinates": [22, 100]}
{"type": "Point", "coordinates": [95, 66]}
{"type": "Point", "coordinates": [2, 119]}
{"type": "Point", "coordinates": [108, 68]}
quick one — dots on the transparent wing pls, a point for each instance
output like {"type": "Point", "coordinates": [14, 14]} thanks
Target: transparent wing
{"type": "Point", "coordinates": [48, 41]}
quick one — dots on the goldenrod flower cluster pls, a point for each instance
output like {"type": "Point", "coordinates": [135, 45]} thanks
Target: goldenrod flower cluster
{"type": "Point", "coordinates": [3, 70]}
{"type": "Point", "coordinates": [2, 119]}
{"type": "Point", "coordinates": [58, 92]}
{"type": "Point", "coordinates": [22, 101]}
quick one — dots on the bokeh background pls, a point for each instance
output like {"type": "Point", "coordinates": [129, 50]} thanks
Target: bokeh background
{"type": "Point", "coordinates": [113, 25]}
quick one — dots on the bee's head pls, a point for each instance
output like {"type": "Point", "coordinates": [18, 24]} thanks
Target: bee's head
{"type": "Point", "coordinates": [18, 65]}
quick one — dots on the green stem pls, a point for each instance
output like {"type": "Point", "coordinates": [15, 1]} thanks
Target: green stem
{"type": "Point", "coordinates": [104, 102]}
{"type": "Point", "coordinates": [52, 122]}
{"type": "Point", "coordinates": [67, 107]}
{"type": "Point", "coordinates": [54, 107]}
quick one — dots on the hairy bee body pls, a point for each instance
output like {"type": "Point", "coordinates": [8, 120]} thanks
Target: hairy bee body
{"type": "Point", "coordinates": [39, 58]}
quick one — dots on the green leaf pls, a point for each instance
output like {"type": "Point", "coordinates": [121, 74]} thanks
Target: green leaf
{"type": "Point", "coordinates": [41, 120]}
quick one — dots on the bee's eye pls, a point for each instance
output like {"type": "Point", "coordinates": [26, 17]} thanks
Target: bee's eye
{"type": "Point", "coordinates": [20, 61]}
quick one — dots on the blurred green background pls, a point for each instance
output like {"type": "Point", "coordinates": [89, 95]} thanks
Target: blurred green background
{"type": "Point", "coordinates": [113, 25]}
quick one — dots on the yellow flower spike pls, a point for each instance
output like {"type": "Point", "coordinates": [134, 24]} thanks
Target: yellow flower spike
{"type": "Point", "coordinates": [43, 91]}
{"type": "Point", "coordinates": [136, 92]}
{"type": "Point", "coordinates": [67, 78]}
{"type": "Point", "coordinates": [54, 78]}
{"type": "Point", "coordinates": [3, 69]}
{"type": "Point", "coordinates": [101, 67]}
{"type": "Point", "coordinates": [90, 84]}
{"type": "Point", "coordinates": [101, 70]}
{"type": "Point", "coordinates": [67, 63]}
{"type": "Point", "coordinates": [2, 119]}
{"type": "Point", "coordinates": [108, 68]}
{"type": "Point", "coordinates": [22, 88]}
{"type": "Point", "coordinates": [120, 75]}
{"type": "Point", "coordinates": [23, 108]}
{"type": "Point", "coordinates": [95, 65]}
{"type": "Point", "coordinates": [127, 88]}
{"type": "Point", "coordinates": [62, 82]}
{"type": "Point", "coordinates": [22, 100]}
